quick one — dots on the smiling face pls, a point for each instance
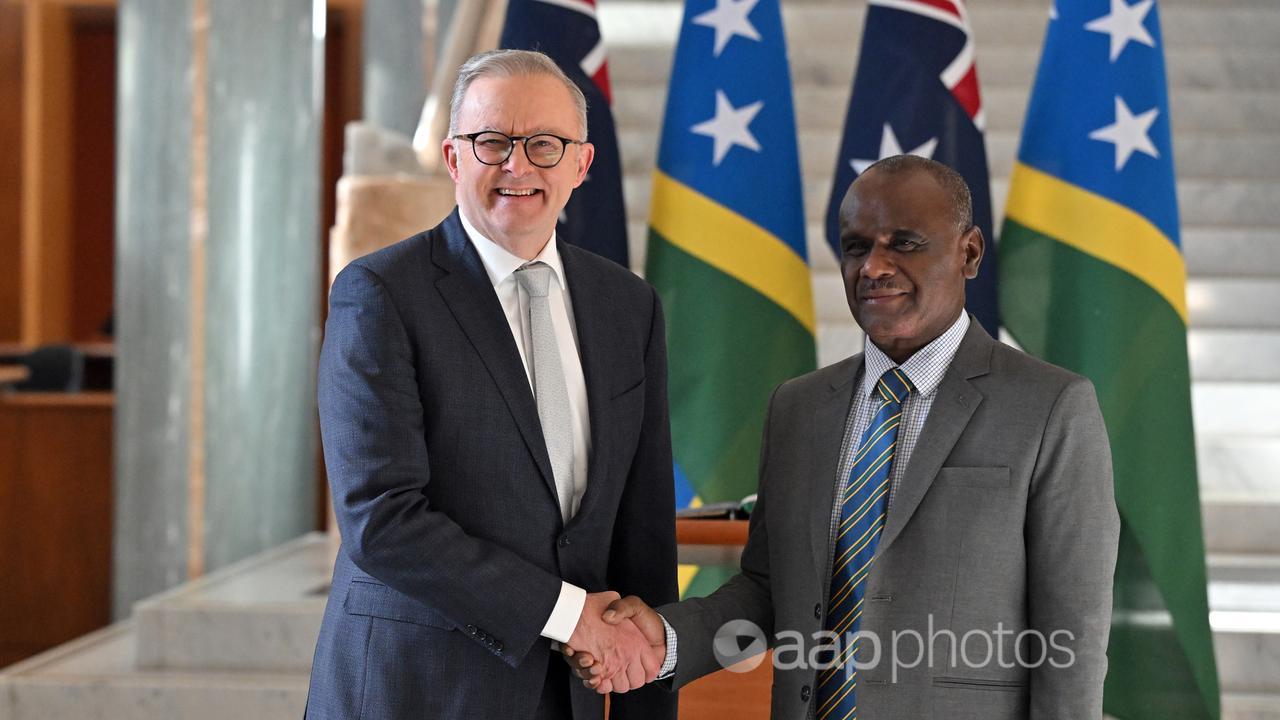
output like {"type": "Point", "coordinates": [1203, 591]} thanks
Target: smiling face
{"type": "Point", "coordinates": [516, 204]}
{"type": "Point", "coordinates": [905, 259]}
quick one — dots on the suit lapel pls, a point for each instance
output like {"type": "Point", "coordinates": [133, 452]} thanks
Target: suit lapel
{"type": "Point", "coordinates": [467, 291]}
{"type": "Point", "coordinates": [956, 402]}
{"type": "Point", "coordinates": [829, 415]}
{"type": "Point", "coordinates": [596, 341]}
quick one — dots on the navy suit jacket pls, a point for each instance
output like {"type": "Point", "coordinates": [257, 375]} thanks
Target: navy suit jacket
{"type": "Point", "coordinates": [453, 548]}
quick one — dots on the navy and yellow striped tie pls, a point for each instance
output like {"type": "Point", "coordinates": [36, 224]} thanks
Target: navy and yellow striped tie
{"type": "Point", "coordinates": [862, 517]}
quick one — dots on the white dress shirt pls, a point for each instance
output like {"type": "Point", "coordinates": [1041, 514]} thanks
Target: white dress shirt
{"type": "Point", "coordinates": [500, 265]}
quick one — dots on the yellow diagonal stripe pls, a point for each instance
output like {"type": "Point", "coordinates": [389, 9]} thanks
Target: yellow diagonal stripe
{"type": "Point", "coordinates": [732, 244]}
{"type": "Point", "coordinates": [1099, 227]}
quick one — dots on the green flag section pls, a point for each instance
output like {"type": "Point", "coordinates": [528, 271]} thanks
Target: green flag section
{"type": "Point", "coordinates": [727, 249]}
{"type": "Point", "coordinates": [1092, 278]}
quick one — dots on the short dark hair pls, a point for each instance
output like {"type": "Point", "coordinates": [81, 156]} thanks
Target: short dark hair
{"type": "Point", "coordinates": [949, 180]}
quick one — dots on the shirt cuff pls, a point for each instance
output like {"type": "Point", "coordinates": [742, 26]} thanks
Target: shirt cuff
{"type": "Point", "coordinates": [669, 663]}
{"type": "Point", "coordinates": [564, 616]}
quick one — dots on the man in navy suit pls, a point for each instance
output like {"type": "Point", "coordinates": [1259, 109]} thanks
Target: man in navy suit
{"type": "Point", "coordinates": [493, 406]}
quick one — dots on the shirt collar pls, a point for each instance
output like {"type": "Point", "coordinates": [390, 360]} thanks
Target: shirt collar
{"type": "Point", "coordinates": [924, 369]}
{"type": "Point", "coordinates": [499, 263]}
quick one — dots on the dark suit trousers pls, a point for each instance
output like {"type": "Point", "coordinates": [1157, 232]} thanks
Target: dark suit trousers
{"type": "Point", "coordinates": [555, 704]}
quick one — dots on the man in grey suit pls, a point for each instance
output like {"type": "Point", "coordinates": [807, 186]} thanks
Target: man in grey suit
{"type": "Point", "coordinates": [966, 571]}
{"type": "Point", "coordinates": [494, 413]}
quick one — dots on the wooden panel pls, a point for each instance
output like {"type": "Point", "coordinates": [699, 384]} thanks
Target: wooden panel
{"type": "Point", "coordinates": [46, 174]}
{"type": "Point", "coordinates": [11, 15]}
{"type": "Point", "coordinates": [712, 532]}
{"type": "Point", "coordinates": [724, 694]}
{"type": "Point", "coordinates": [55, 519]}
{"type": "Point", "coordinates": [343, 73]}
{"type": "Point", "coordinates": [93, 172]}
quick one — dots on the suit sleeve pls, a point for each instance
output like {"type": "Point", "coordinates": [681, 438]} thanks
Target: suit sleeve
{"type": "Point", "coordinates": [746, 596]}
{"type": "Point", "coordinates": [371, 421]}
{"type": "Point", "coordinates": [1072, 536]}
{"type": "Point", "coordinates": [642, 559]}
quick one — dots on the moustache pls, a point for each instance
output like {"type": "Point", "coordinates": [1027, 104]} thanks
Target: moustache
{"type": "Point", "coordinates": [866, 286]}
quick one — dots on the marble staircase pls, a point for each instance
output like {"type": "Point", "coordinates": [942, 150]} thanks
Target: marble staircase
{"type": "Point", "coordinates": [238, 642]}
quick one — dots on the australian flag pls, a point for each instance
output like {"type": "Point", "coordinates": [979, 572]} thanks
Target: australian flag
{"type": "Point", "coordinates": [567, 31]}
{"type": "Point", "coordinates": [916, 92]}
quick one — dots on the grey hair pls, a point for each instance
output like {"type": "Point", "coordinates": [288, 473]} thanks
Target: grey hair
{"type": "Point", "coordinates": [948, 179]}
{"type": "Point", "coordinates": [512, 63]}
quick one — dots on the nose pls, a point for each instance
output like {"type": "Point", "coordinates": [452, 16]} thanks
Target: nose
{"type": "Point", "coordinates": [517, 163]}
{"type": "Point", "coordinates": [878, 263]}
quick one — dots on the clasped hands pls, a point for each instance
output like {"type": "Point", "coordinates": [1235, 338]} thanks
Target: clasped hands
{"type": "Point", "coordinates": [618, 644]}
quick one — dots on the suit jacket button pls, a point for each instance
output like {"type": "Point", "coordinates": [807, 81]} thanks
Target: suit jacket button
{"type": "Point", "coordinates": [564, 541]}
{"type": "Point", "coordinates": [804, 694]}
{"type": "Point", "coordinates": [471, 630]}
{"type": "Point", "coordinates": [817, 611]}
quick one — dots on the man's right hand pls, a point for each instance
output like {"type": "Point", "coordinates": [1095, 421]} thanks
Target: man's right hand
{"type": "Point", "coordinates": [620, 613]}
{"type": "Point", "coordinates": [622, 656]}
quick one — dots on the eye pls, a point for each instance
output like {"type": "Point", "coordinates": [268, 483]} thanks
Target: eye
{"type": "Point", "coordinates": [491, 143]}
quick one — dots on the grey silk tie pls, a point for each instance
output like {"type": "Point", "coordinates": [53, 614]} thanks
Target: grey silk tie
{"type": "Point", "coordinates": [549, 387]}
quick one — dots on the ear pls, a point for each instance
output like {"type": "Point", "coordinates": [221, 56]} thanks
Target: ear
{"type": "Point", "coordinates": [450, 158]}
{"type": "Point", "coordinates": [586, 153]}
{"type": "Point", "coordinates": [973, 245]}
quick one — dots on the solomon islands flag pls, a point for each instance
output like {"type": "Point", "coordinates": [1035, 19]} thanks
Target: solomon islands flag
{"type": "Point", "coordinates": [727, 248]}
{"type": "Point", "coordinates": [1092, 279]}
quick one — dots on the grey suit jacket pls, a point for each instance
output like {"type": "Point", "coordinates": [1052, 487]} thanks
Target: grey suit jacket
{"type": "Point", "coordinates": [453, 545]}
{"type": "Point", "coordinates": [1004, 527]}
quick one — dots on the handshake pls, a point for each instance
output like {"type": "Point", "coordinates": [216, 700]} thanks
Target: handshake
{"type": "Point", "coordinates": [618, 645]}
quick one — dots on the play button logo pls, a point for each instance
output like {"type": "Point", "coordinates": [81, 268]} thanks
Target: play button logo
{"type": "Point", "coordinates": [739, 646]}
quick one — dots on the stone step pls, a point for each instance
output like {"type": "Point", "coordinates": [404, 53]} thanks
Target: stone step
{"type": "Point", "coordinates": [823, 108]}
{"type": "Point", "coordinates": [1244, 601]}
{"type": "Point", "coordinates": [1230, 302]}
{"type": "Point", "coordinates": [629, 24]}
{"type": "Point", "coordinates": [1235, 468]}
{"type": "Point", "coordinates": [1236, 409]}
{"type": "Point", "coordinates": [1245, 525]}
{"type": "Point", "coordinates": [1251, 355]}
{"type": "Point", "coordinates": [1198, 155]}
{"type": "Point", "coordinates": [1216, 203]}
{"type": "Point", "coordinates": [1228, 67]}
{"type": "Point", "coordinates": [1238, 252]}
{"type": "Point", "coordinates": [96, 678]}
{"type": "Point", "coordinates": [1250, 706]}
{"type": "Point", "coordinates": [259, 614]}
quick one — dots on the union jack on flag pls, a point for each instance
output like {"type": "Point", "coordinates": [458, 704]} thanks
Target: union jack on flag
{"type": "Point", "coordinates": [916, 92]}
{"type": "Point", "coordinates": [567, 31]}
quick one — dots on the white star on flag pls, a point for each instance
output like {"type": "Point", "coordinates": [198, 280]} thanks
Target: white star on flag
{"type": "Point", "coordinates": [889, 146]}
{"type": "Point", "coordinates": [1128, 133]}
{"type": "Point", "coordinates": [729, 19]}
{"type": "Point", "coordinates": [730, 126]}
{"type": "Point", "coordinates": [1125, 23]}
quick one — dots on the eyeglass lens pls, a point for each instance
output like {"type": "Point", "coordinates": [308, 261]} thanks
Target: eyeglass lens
{"type": "Point", "coordinates": [493, 148]}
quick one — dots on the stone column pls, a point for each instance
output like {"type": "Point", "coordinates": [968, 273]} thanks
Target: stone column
{"type": "Point", "coordinates": [217, 284]}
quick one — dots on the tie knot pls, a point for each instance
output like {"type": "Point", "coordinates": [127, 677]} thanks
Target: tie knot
{"type": "Point", "coordinates": [534, 278]}
{"type": "Point", "coordinates": [894, 386]}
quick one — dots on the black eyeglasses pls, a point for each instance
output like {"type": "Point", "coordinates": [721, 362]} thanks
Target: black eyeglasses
{"type": "Point", "coordinates": [493, 148]}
